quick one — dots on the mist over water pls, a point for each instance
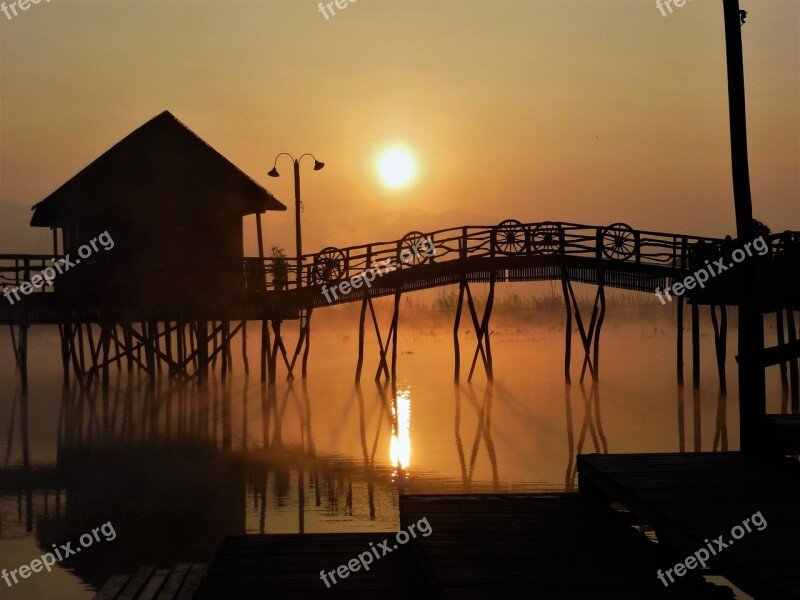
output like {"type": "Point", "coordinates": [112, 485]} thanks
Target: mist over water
{"type": "Point", "coordinates": [191, 464]}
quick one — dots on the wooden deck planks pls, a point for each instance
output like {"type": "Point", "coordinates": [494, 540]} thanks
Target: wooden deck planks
{"type": "Point", "coordinates": [688, 498]}
{"type": "Point", "coordinates": [288, 567]}
{"type": "Point", "coordinates": [180, 583]}
{"type": "Point", "coordinates": [500, 546]}
{"type": "Point", "coordinates": [540, 546]}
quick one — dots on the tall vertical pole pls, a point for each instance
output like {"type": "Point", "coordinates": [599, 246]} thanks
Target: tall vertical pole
{"type": "Point", "coordinates": [752, 403]}
{"type": "Point", "coordinates": [260, 238]}
{"type": "Point", "coordinates": [298, 235]}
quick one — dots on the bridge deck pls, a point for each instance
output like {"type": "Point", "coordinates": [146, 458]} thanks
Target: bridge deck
{"type": "Point", "coordinates": [689, 498]}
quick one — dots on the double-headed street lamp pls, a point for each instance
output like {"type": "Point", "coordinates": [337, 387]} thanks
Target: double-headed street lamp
{"type": "Point", "coordinates": [298, 236]}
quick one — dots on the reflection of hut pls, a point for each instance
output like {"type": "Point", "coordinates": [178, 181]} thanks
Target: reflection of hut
{"type": "Point", "coordinates": [167, 502]}
{"type": "Point", "coordinates": [173, 207]}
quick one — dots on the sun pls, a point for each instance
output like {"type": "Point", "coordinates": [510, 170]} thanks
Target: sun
{"type": "Point", "coordinates": [396, 167]}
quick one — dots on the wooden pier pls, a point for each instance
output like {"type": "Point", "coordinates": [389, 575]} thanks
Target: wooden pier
{"type": "Point", "coordinates": [149, 583]}
{"type": "Point", "coordinates": [495, 546]}
{"type": "Point", "coordinates": [690, 498]}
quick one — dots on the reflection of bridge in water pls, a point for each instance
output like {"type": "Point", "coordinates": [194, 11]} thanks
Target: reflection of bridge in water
{"type": "Point", "coordinates": [156, 456]}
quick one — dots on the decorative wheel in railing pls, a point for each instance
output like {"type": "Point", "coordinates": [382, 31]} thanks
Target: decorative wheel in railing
{"type": "Point", "coordinates": [329, 265]}
{"type": "Point", "coordinates": [510, 237]}
{"type": "Point", "coordinates": [546, 238]}
{"type": "Point", "coordinates": [619, 241]}
{"type": "Point", "coordinates": [411, 249]}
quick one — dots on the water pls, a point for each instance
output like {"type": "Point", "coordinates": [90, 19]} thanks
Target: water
{"type": "Point", "coordinates": [176, 468]}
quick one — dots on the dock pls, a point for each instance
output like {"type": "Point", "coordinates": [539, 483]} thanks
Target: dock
{"type": "Point", "coordinates": [149, 583]}
{"type": "Point", "coordinates": [479, 546]}
{"type": "Point", "coordinates": [690, 498]}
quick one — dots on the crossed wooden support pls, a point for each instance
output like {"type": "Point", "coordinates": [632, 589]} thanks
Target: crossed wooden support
{"type": "Point", "coordinates": [483, 347]}
{"type": "Point", "coordinates": [271, 353]}
{"type": "Point", "coordinates": [162, 343]}
{"type": "Point", "coordinates": [383, 369]}
{"type": "Point", "coordinates": [590, 337]}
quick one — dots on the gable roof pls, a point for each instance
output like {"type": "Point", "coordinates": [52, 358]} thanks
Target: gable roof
{"type": "Point", "coordinates": [162, 143]}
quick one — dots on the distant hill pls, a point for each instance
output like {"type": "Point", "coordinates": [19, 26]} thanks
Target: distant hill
{"type": "Point", "coordinates": [16, 234]}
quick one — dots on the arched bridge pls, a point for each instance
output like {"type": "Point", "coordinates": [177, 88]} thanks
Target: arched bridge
{"type": "Point", "coordinates": [189, 338]}
{"type": "Point", "coordinates": [615, 256]}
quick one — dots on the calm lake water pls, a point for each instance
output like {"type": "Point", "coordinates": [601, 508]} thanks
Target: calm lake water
{"type": "Point", "coordinates": [176, 468]}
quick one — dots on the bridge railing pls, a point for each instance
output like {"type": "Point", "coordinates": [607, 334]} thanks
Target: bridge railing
{"type": "Point", "coordinates": [17, 269]}
{"type": "Point", "coordinates": [616, 242]}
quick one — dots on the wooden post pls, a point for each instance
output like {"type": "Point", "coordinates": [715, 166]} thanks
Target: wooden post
{"type": "Point", "coordinates": [66, 331]}
{"type": "Point", "coordinates": [456, 325]}
{"type": "Point", "coordinates": [304, 371]}
{"type": "Point", "coordinates": [264, 347]}
{"type": "Point", "coordinates": [568, 338]}
{"type": "Point", "coordinates": [793, 370]}
{"type": "Point", "coordinates": [361, 321]}
{"type": "Point", "coordinates": [395, 320]}
{"type": "Point", "coordinates": [781, 342]}
{"type": "Point", "coordinates": [695, 346]}
{"type": "Point", "coordinates": [23, 414]}
{"type": "Point", "coordinates": [202, 349]}
{"type": "Point", "coordinates": [244, 348]}
{"type": "Point", "coordinates": [679, 340]}
{"type": "Point", "coordinates": [752, 395]}
{"type": "Point", "coordinates": [720, 342]}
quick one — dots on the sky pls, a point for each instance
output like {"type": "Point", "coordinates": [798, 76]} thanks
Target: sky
{"type": "Point", "coordinates": [587, 111]}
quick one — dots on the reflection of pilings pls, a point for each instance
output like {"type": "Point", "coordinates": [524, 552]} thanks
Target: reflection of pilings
{"type": "Point", "coordinates": [721, 432]}
{"type": "Point", "coordinates": [569, 480]}
{"type": "Point", "coordinates": [698, 442]}
{"type": "Point", "coordinates": [695, 346]}
{"type": "Point", "coordinates": [592, 424]}
{"type": "Point", "coordinates": [681, 419]}
{"type": "Point", "coordinates": [483, 433]}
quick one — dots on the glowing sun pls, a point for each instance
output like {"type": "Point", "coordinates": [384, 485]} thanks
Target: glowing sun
{"type": "Point", "coordinates": [396, 167]}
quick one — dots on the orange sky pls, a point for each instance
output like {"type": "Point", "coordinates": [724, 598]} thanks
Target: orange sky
{"type": "Point", "coordinates": [584, 111]}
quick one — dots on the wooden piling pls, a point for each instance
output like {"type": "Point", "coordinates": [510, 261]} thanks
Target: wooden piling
{"type": "Point", "coordinates": [695, 346]}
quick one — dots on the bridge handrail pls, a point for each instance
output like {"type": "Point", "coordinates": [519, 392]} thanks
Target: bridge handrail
{"type": "Point", "coordinates": [565, 238]}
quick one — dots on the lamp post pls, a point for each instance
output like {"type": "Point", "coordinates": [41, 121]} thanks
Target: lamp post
{"type": "Point", "coordinates": [298, 236]}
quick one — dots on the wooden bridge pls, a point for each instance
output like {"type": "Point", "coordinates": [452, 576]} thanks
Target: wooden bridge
{"type": "Point", "coordinates": [274, 290]}
{"type": "Point", "coordinates": [185, 338]}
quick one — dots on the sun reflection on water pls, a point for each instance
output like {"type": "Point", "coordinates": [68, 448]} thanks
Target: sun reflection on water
{"type": "Point", "coordinates": [400, 445]}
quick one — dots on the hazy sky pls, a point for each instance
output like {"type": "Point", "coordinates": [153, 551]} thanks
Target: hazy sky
{"type": "Point", "coordinates": [586, 111]}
